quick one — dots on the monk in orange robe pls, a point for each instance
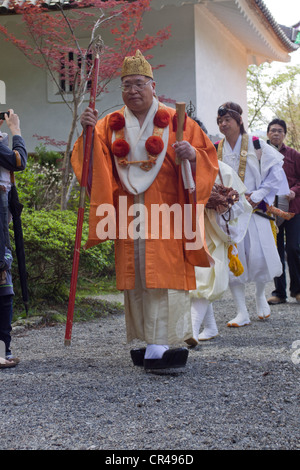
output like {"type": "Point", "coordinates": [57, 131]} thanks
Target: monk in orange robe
{"type": "Point", "coordinates": [138, 198]}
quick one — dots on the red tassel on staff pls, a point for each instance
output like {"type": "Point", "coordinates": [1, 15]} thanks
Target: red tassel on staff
{"type": "Point", "coordinates": [83, 186]}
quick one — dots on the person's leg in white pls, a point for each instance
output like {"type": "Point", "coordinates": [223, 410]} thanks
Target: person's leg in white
{"type": "Point", "coordinates": [210, 330]}
{"type": "Point", "coordinates": [262, 307]}
{"type": "Point", "coordinates": [242, 317]}
{"type": "Point", "coordinates": [198, 311]}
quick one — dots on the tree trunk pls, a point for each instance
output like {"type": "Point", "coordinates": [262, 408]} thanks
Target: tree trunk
{"type": "Point", "coordinates": [66, 169]}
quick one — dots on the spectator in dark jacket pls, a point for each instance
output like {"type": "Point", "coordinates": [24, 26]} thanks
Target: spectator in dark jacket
{"type": "Point", "coordinates": [10, 161]}
{"type": "Point", "coordinates": [288, 238]}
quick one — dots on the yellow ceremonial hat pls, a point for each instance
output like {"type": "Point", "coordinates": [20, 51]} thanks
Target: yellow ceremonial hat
{"type": "Point", "coordinates": [136, 65]}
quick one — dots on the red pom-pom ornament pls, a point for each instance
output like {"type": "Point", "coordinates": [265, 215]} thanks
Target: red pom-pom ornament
{"type": "Point", "coordinates": [154, 145]}
{"type": "Point", "coordinates": [116, 121]}
{"type": "Point", "coordinates": [161, 118]}
{"type": "Point", "coordinates": [120, 148]}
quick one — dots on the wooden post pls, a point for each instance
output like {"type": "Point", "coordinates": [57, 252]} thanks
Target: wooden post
{"type": "Point", "coordinates": [185, 164]}
{"type": "Point", "coordinates": [180, 111]}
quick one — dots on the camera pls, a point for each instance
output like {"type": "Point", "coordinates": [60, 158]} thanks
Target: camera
{"type": "Point", "coordinates": [2, 115]}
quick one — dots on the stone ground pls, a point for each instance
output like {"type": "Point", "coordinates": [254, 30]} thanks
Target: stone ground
{"type": "Point", "coordinates": [239, 391]}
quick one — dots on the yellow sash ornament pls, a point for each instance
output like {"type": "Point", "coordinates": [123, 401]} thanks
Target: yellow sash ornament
{"type": "Point", "coordinates": [274, 230]}
{"type": "Point", "coordinates": [235, 264]}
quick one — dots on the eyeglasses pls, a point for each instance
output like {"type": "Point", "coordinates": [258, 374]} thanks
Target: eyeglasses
{"type": "Point", "coordinates": [126, 87]}
{"type": "Point", "coordinates": [279, 131]}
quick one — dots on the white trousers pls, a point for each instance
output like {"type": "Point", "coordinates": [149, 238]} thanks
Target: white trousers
{"type": "Point", "coordinates": [157, 316]}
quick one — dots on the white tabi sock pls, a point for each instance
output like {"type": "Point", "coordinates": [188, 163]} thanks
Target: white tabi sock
{"type": "Point", "coordinates": [155, 351]}
{"type": "Point", "coordinates": [238, 294]}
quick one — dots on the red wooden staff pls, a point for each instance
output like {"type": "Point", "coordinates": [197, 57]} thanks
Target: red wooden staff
{"type": "Point", "coordinates": [83, 189]}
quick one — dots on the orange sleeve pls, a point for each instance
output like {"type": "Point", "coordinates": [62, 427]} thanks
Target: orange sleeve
{"type": "Point", "coordinates": [207, 165]}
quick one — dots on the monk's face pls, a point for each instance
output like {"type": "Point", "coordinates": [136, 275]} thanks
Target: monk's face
{"type": "Point", "coordinates": [138, 92]}
{"type": "Point", "coordinates": [229, 126]}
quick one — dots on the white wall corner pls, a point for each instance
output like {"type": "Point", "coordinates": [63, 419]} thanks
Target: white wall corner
{"type": "Point", "coordinates": [2, 92]}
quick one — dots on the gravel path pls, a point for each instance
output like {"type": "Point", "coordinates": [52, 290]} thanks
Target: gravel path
{"type": "Point", "coordinates": [238, 391]}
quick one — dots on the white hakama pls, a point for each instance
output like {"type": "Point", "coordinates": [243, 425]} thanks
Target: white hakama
{"type": "Point", "coordinates": [157, 316]}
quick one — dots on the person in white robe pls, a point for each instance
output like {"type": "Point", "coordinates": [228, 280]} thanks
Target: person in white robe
{"type": "Point", "coordinates": [261, 171]}
{"type": "Point", "coordinates": [223, 229]}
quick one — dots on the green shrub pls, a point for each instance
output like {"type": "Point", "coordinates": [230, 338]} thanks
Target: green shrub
{"type": "Point", "coordinates": [49, 238]}
{"type": "Point", "coordinates": [48, 157]}
{"type": "Point", "coordinates": [39, 185]}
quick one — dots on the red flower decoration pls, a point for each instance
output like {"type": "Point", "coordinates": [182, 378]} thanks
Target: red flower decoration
{"type": "Point", "coordinates": [154, 145]}
{"type": "Point", "coordinates": [161, 118]}
{"type": "Point", "coordinates": [116, 121]}
{"type": "Point", "coordinates": [120, 148]}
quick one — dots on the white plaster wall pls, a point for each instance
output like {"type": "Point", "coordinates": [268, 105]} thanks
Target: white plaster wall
{"type": "Point", "coordinates": [26, 94]}
{"type": "Point", "coordinates": [26, 85]}
{"type": "Point", "coordinates": [221, 66]}
{"type": "Point", "coordinates": [176, 80]}
{"type": "Point", "coordinates": [2, 93]}
{"type": "Point", "coordinates": [195, 49]}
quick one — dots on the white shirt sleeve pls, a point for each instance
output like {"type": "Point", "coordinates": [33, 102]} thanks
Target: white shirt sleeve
{"type": "Point", "coordinates": [269, 186]}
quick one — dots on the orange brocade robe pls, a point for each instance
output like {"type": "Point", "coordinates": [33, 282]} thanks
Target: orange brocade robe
{"type": "Point", "coordinates": [168, 264]}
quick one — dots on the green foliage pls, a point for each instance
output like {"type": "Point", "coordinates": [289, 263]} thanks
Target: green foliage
{"type": "Point", "coordinates": [274, 94]}
{"type": "Point", "coordinates": [288, 109]}
{"type": "Point", "coordinates": [39, 185]}
{"type": "Point", "coordinates": [45, 156]}
{"type": "Point", "coordinates": [49, 238]}
{"type": "Point", "coordinates": [86, 308]}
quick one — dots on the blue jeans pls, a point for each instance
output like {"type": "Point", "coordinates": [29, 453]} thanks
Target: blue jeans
{"type": "Point", "coordinates": [6, 313]}
{"type": "Point", "coordinates": [288, 240]}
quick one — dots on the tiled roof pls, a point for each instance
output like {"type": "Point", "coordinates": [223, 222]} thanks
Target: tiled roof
{"type": "Point", "coordinates": [8, 7]}
{"type": "Point", "coordinates": [290, 32]}
{"type": "Point", "coordinates": [286, 35]}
